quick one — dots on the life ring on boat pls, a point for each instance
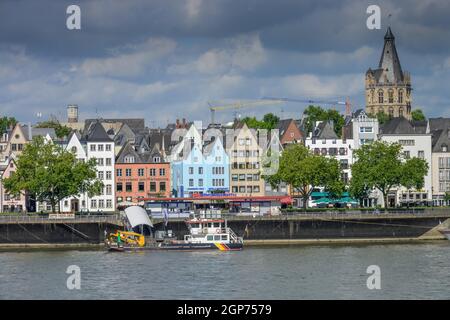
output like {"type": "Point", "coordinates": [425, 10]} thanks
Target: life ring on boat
{"type": "Point", "coordinates": [218, 230]}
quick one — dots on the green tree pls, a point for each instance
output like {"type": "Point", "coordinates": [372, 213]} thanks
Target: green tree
{"type": "Point", "coordinates": [317, 113]}
{"type": "Point", "coordinates": [60, 130]}
{"type": "Point", "coordinates": [417, 115]}
{"type": "Point", "coordinates": [381, 165]}
{"type": "Point", "coordinates": [381, 117]}
{"type": "Point", "coordinates": [303, 171]}
{"type": "Point", "coordinates": [414, 171]}
{"type": "Point", "coordinates": [49, 174]}
{"type": "Point", "coordinates": [269, 122]}
{"type": "Point", "coordinates": [6, 122]}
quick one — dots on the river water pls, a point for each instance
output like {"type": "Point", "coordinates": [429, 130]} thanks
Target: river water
{"type": "Point", "coordinates": [407, 271]}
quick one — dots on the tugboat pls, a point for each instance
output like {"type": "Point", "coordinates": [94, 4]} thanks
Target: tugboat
{"type": "Point", "coordinates": [204, 234]}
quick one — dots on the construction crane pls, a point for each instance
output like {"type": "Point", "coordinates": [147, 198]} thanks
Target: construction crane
{"type": "Point", "coordinates": [346, 103]}
{"type": "Point", "coordinates": [213, 107]}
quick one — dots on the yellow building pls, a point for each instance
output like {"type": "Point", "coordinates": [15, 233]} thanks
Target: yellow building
{"type": "Point", "coordinates": [245, 159]}
{"type": "Point", "coordinates": [388, 88]}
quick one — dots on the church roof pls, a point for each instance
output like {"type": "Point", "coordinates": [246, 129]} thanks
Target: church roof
{"type": "Point", "coordinates": [389, 68]}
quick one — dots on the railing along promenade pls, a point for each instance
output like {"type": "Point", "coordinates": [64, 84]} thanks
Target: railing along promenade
{"type": "Point", "coordinates": [49, 219]}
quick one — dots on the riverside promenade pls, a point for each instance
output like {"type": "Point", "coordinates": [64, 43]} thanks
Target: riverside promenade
{"type": "Point", "coordinates": [53, 231]}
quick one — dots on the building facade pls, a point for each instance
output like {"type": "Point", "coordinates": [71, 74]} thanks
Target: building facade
{"type": "Point", "coordinates": [324, 141]}
{"type": "Point", "coordinates": [201, 170]}
{"type": "Point", "coordinates": [440, 160]}
{"type": "Point", "coordinates": [388, 88]}
{"type": "Point", "coordinates": [245, 158]}
{"type": "Point", "coordinates": [416, 141]}
{"type": "Point", "coordinates": [140, 175]}
{"type": "Point", "coordinates": [94, 143]}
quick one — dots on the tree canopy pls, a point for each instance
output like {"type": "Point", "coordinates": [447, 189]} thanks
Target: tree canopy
{"type": "Point", "coordinates": [6, 122]}
{"type": "Point", "coordinates": [303, 171]}
{"type": "Point", "coordinates": [49, 174]}
{"type": "Point", "coordinates": [381, 165]}
{"type": "Point", "coordinates": [60, 130]}
{"type": "Point", "coordinates": [317, 113]}
{"type": "Point", "coordinates": [417, 115]}
{"type": "Point", "coordinates": [269, 122]}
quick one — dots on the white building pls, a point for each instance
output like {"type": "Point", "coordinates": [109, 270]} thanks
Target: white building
{"type": "Point", "coordinates": [364, 128]}
{"type": "Point", "coordinates": [324, 141]}
{"type": "Point", "coordinates": [95, 143]}
{"type": "Point", "coordinates": [415, 139]}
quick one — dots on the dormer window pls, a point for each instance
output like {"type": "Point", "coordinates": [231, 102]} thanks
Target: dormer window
{"type": "Point", "coordinates": [444, 147]}
{"type": "Point", "coordinates": [129, 159]}
{"type": "Point", "coordinates": [156, 159]}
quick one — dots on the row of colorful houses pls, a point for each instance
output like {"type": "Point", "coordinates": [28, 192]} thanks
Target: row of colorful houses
{"type": "Point", "coordinates": [135, 162]}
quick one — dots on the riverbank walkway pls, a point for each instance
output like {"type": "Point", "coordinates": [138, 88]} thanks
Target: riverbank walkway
{"type": "Point", "coordinates": [42, 219]}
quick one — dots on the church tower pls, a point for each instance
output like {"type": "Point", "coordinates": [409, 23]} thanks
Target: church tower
{"type": "Point", "coordinates": [388, 88]}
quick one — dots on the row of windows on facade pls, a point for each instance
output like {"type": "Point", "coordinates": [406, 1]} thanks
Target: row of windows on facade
{"type": "Point", "coordinates": [390, 98]}
{"type": "Point", "coordinates": [100, 161]}
{"type": "Point", "coordinates": [247, 165]}
{"type": "Point", "coordinates": [12, 208]}
{"type": "Point", "coordinates": [101, 175]}
{"type": "Point", "coordinates": [215, 182]}
{"type": "Point", "coordinates": [324, 141]}
{"type": "Point", "coordinates": [331, 151]}
{"type": "Point", "coordinates": [245, 177]}
{"type": "Point", "coordinates": [141, 186]}
{"type": "Point", "coordinates": [132, 159]}
{"type": "Point", "coordinates": [413, 196]}
{"type": "Point", "coordinates": [243, 189]}
{"type": "Point", "coordinates": [97, 147]}
{"type": "Point", "coordinates": [444, 162]}
{"type": "Point", "coordinates": [245, 153]}
{"type": "Point", "coordinates": [391, 114]}
{"type": "Point", "coordinates": [100, 204]}
{"type": "Point", "coordinates": [215, 170]}
{"type": "Point", "coordinates": [140, 172]}
{"type": "Point", "coordinates": [16, 146]}
{"type": "Point", "coordinates": [420, 154]}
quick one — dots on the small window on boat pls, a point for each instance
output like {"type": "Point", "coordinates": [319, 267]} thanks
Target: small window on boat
{"type": "Point", "coordinates": [216, 238]}
{"type": "Point", "coordinates": [224, 237]}
{"type": "Point", "coordinates": [194, 225]}
{"type": "Point", "coordinates": [209, 238]}
{"type": "Point", "coordinates": [216, 225]}
{"type": "Point", "coordinates": [210, 225]}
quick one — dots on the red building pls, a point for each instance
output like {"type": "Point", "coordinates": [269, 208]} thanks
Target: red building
{"type": "Point", "coordinates": [140, 176]}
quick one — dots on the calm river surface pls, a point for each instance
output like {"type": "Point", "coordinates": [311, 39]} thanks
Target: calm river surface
{"type": "Point", "coordinates": [302, 272]}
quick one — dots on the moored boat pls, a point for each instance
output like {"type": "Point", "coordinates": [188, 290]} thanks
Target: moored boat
{"type": "Point", "coordinates": [204, 234]}
{"type": "Point", "coordinates": [446, 233]}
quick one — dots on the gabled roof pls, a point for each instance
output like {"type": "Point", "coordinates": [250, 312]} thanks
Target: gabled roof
{"type": "Point", "coordinates": [283, 125]}
{"type": "Point", "coordinates": [96, 133]}
{"type": "Point", "coordinates": [440, 130]}
{"type": "Point", "coordinates": [400, 125]}
{"type": "Point", "coordinates": [37, 132]}
{"type": "Point", "coordinates": [127, 150]}
{"type": "Point", "coordinates": [134, 124]}
{"type": "Point", "coordinates": [324, 130]}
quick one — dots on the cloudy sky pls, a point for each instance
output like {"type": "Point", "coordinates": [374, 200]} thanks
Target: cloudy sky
{"type": "Point", "coordinates": [164, 59]}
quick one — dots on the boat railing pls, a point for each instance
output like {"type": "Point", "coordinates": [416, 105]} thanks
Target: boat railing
{"type": "Point", "coordinates": [233, 236]}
